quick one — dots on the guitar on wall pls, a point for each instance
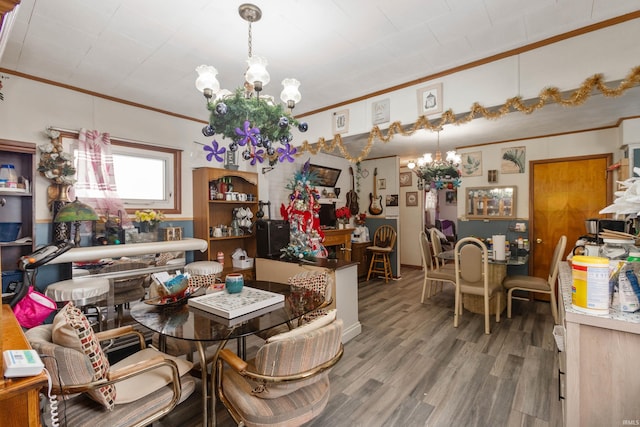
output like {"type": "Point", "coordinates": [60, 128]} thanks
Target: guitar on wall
{"type": "Point", "coordinates": [352, 196]}
{"type": "Point", "coordinates": [375, 205]}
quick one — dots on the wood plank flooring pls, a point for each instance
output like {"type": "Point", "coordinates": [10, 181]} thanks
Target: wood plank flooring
{"type": "Point", "coordinates": [411, 367]}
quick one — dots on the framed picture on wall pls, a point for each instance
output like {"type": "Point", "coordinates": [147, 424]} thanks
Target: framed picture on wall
{"type": "Point", "coordinates": [451, 197]}
{"type": "Point", "coordinates": [513, 160]}
{"type": "Point", "coordinates": [381, 111]}
{"type": "Point", "coordinates": [412, 198]}
{"type": "Point", "coordinates": [405, 179]}
{"type": "Point", "coordinates": [391, 200]}
{"type": "Point", "coordinates": [340, 122]}
{"type": "Point", "coordinates": [430, 99]}
{"type": "Point", "coordinates": [471, 164]}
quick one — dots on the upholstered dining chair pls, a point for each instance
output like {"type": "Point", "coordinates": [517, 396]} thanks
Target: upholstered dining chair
{"type": "Point", "coordinates": [538, 284]}
{"type": "Point", "coordinates": [472, 277]}
{"type": "Point", "coordinates": [384, 241]}
{"type": "Point", "coordinates": [287, 384]}
{"type": "Point", "coordinates": [434, 275]}
{"type": "Point", "coordinates": [436, 245]}
{"type": "Point", "coordinates": [136, 391]}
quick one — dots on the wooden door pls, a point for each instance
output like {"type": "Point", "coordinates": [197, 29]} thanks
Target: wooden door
{"type": "Point", "coordinates": [563, 193]}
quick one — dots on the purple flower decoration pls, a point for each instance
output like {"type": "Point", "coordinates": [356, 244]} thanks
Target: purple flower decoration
{"type": "Point", "coordinates": [248, 134]}
{"type": "Point", "coordinates": [258, 156]}
{"type": "Point", "coordinates": [215, 151]}
{"type": "Point", "coordinates": [287, 153]}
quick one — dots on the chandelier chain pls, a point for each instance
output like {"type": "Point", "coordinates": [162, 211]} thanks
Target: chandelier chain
{"type": "Point", "coordinates": [250, 41]}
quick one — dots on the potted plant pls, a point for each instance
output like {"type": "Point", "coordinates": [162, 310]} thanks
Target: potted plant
{"type": "Point", "coordinates": [343, 215]}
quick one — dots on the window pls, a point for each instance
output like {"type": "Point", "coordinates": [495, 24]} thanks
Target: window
{"type": "Point", "coordinates": [147, 177]}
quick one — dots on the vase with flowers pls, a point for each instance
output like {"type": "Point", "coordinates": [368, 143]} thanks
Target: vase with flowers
{"type": "Point", "coordinates": [148, 220]}
{"type": "Point", "coordinates": [343, 215]}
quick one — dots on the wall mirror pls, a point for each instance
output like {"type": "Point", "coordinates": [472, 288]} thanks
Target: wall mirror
{"type": "Point", "coordinates": [491, 202]}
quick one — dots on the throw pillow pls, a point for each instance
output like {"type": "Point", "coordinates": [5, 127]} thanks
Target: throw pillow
{"type": "Point", "coordinates": [72, 329]}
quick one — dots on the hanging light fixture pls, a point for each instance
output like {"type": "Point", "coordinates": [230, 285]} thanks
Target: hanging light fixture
{"type": "Point", "coordinates": [437, 172]}
{"type": "Point", "coordinates": [247, 118]}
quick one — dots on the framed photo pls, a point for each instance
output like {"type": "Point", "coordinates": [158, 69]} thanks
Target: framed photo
{"type": "Point", "coordinates": [430, 99]}
{"type": "Point", "coordinates": [405, 179]}
{"type": "Point", "coordinates": [382, 184]}
{"type": "Point", "coordinates": [451, 197]}
{"type": "Point", "coordinates": [381, 111]}
{"type": "Point", "coordinates": [471, 164]}
{"type": "Point", "coordinates": [391, 200]}
{"type": "Point", "coordinates": [340, 122]}
{"type": "Point", "coordinates": [412, 198]}
{"type": "Point", "coordinates": [513, 160]}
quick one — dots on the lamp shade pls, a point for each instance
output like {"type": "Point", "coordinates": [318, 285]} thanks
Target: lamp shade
{"type": "Point", "coordinates": [290, 91]}
{"type": "Point", "coordinates": [207, 78]}
{"type": "Point", "coordinates": [76, 211]}
{"type": "Point", "coordinates": [257, 71]}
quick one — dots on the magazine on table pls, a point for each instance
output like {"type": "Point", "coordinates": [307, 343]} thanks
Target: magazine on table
{"type": "Point", "coordinates": [229, 306]}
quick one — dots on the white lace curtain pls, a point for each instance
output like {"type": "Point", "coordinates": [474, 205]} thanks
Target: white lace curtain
{"type": "Point", "coordinates": [96, 185]}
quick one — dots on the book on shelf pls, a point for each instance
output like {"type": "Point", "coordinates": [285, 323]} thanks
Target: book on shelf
{"type": "Point", "coordinates": [229, 306]}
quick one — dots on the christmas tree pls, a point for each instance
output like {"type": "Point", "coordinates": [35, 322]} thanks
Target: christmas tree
{"type": "Point", "coordinates": [305, 235]}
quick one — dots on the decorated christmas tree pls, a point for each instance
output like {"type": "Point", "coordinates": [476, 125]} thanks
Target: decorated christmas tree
{"type": "Point", "coordinates": [305, 236]}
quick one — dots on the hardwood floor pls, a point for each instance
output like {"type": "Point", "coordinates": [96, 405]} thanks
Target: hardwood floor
{"type": "Point", "coordinates": [411, 367]}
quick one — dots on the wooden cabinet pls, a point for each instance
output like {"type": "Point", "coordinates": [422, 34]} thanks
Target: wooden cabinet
{"type": "Point", "coordinates": [17, 207]}
{"type": "Point", "coordinates": [599, 379]}
{"type": "Point", "coordinates": [19, 397]}
{"type": "Point", "coordinates": [210, 214]}
{"type": "Point", "coordinates": [360, 255]}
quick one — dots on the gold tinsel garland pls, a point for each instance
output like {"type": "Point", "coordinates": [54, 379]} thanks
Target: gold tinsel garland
{"type": "Point", "coordinates": [547, 96]}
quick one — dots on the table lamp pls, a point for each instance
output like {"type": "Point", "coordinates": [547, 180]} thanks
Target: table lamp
{"type": "Point", "coordinates": [76, 212]}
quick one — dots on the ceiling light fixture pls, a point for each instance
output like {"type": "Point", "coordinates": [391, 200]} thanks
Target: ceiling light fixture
{"type": "Point", "coordinates": [437, 173]}
{"type": "Point", "coordinates": [245, 117]}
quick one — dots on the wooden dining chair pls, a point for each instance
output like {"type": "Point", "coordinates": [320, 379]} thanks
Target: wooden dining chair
{"type": "Point", "coordinates": [538, 284]}
{"type": "Point", "coordinates": [434, 275]}
{"type": "Point", "coordinates": [472, 277]}
{"type": "Point", "coordinates": [384, 241]}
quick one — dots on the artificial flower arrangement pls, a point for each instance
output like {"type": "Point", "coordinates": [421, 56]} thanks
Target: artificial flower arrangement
{"type": "Point", "coordinates": [343, 213]}
{"type": "Point", "coordinates": [361, 218]}
{"type": "Point", "coordinates": [149, 216]}
{"type": "Point", "coordinates": [56, 165]}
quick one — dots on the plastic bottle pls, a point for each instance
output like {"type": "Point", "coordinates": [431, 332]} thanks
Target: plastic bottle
{"type": "Point", "coordinates": [627, 295]}
{"type": "Point", "coordinates": [8, 172]}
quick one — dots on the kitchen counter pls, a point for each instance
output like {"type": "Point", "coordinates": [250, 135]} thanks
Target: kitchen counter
{"type": "Point", "coordinates": [345, 289]}
{"type": "Point", "coordinates": [599, 378]}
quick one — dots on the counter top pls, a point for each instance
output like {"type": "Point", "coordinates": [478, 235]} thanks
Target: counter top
{"type": "Point", "coordinates": [91, 253]}
{"type": "Point", "coordinates": [616, 320]}
{"type": "Point", "coordinates": [331, 264]}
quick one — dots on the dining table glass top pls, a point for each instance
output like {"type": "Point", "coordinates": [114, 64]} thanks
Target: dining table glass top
{"type": "Point", "coordinates": [510, 260]}
{"type": "Point", "coordinates": [189, 323]}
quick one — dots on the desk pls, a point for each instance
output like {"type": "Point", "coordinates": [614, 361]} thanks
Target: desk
{"type": "Point", "coordinates": [186, 323]}
{"type": "Point", "coordinates": [342, 238]}
{"type": "Point", "coordinates": [19, 401]}
{"type": "Point", "coordinates": [497, 272]}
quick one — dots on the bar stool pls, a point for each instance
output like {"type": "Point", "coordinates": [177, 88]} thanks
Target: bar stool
{"type": "Point", "coordinates": [83, 292]}
{"type": "Point", "coordinates": [384, 241]}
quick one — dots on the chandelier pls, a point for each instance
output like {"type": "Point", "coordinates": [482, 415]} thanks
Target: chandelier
{"type": "Point", "coordinates": [436, 172]}
{"type": "Point", "coordinates": [245, 117]}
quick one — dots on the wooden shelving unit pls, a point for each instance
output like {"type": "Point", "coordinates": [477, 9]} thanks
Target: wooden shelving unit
{"type": "Point", "coordinates": [18, 207]}
{"type": "Point", "coordinates": [207, 214]}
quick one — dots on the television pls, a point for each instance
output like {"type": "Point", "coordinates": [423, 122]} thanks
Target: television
{"type": "Point", "coordinates": [325, 176]}
{"type": "Point", "coordinates": [327, 215]}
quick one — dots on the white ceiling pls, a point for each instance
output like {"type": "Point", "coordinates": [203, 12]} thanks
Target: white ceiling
{"type": "Point", "coordinates": [145, 51]}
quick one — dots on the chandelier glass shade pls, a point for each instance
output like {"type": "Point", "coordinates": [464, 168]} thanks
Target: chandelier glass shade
{"type": "Point", "coordinates": [436, 172]}
{"type": "Point", "coordinates": [249, 120]}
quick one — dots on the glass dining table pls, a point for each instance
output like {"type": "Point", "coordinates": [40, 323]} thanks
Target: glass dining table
{"type": "Point", "coordinates": [187, 323]}
{"type": "Point", "coordinates": [497, 273]}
